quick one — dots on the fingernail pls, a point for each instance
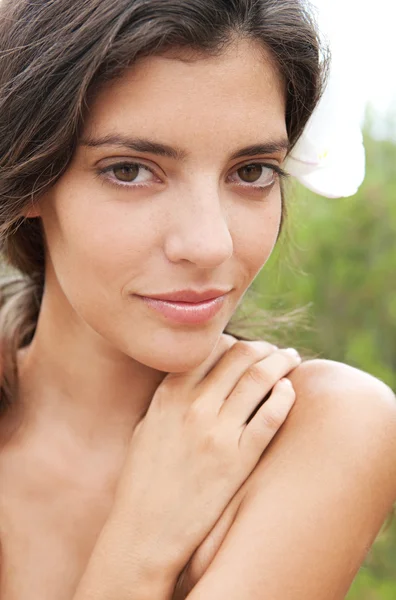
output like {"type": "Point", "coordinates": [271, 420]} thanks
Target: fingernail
{"type": "Point", "coordinates": [286, 381]}
{"type": "Point", "coordinates": [293, 352]}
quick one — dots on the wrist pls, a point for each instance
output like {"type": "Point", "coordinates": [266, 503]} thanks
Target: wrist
{"type": "Point", "coordinates": [107, 578]}
{"type": "Point", "coordinates": [150, 545]}
{"type": "Point", "coordinates": [124, 564]}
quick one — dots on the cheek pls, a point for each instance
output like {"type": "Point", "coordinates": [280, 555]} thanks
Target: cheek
{"type": "Point", "coordinates": [96, 247]}
{"type": "Point", "coordinates": [101, 249]}
{"type": "Point", "coordinates": [256, 233]}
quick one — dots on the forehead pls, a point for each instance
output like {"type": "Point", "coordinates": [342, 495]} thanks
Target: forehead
{"type": "Point", "coordinates": [237, 93]}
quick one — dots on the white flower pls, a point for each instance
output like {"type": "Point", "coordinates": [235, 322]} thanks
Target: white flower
{"type": "Point", "coordinates": [329, 158]}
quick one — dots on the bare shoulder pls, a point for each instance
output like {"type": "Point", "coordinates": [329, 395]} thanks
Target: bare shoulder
{"type": "Point", "coordinates": [343, 419]}
{"type": "Point", "coordinates": [329, 385]}
{"type": "Point", "coordinates": [345, 404]}
{"type": "Point", "coordinates": [335, 376]}
{"type": "Point", "coordinates": [336, 447]}
{"type": "Point", "coordinates": [324, 485]}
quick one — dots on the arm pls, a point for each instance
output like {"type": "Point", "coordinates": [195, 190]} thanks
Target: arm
{"type": "Point", "coordinates": [157, 520]}
{"type": "Point", "coordinates": [318, 496]}
{"type": "Point", "coordinates": [120, 570]}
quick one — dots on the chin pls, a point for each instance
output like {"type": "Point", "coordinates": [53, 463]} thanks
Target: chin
{"type": "Point", "coordinates": [173, 364]}
{"type": "Point", "coordinates": [174, 367]}
{"type": "Point", "coordinates": [173, 357]}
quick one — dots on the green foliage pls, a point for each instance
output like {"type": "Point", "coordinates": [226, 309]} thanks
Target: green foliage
{"type": "Point", "coordinates": [338, 260]}
{"type": "Point", "coordinates": [367, 587]}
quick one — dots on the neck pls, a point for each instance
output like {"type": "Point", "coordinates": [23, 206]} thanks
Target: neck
{"type": "Point", "coordinates": [70, 377]}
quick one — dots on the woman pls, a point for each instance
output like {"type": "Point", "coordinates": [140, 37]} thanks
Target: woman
{"type": "Point", "coordinates": [141, 193]}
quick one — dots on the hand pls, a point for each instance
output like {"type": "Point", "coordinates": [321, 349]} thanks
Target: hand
{"type": "Point", "coordinates": [200, 439]}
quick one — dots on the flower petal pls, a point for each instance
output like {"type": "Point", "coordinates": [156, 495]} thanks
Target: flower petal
{"type": "Point", "coordinates": [329, 157]}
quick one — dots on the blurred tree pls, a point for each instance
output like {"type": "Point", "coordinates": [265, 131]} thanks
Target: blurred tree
{"type": "Point", "coordinates": [338, 260]}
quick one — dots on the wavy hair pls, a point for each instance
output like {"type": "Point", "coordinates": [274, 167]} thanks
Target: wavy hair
{"type": "Point", "coordinates": [54, 55]}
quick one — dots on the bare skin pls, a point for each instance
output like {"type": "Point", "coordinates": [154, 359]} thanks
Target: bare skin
{"type": "Point", "coordinates": [197, 223]}
{"type": "Point", "coordinates": [60, 546]}
{"type": "Point", "coordinates": [337, 405]}
{"type": "Point", "coordinates": [201, 222]}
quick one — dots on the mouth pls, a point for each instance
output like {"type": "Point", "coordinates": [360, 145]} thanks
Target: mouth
{"type": "Point", "coordinates": [187, 312]}
{"type": "Point", "coordinates": [190, 296]}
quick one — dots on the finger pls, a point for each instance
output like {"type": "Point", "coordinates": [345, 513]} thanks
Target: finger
{"type": "Point", "coordinates": [258, 433]}
{"type": "Point", "coordinates": [224, 376]}
{"type": "Point", "coordinates": [256, 383]}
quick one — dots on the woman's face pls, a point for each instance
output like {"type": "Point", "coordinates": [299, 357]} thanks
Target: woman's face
{"type": "Point", "coordinates": [132, 219]}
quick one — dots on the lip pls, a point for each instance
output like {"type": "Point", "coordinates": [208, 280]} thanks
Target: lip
{"type": "Point", "coordinates": [186, 312]}
{"type": "Point", "coordinates": [191, 296]}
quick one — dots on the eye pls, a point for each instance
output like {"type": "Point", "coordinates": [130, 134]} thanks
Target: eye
{"type": "Point", "coordinates": [126, 173]}
{"type": "Point", "coordinates": [257, 175]}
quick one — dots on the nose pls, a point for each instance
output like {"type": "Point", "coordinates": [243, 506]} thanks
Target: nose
{"type": "Point", "coordinates": [199, 231]}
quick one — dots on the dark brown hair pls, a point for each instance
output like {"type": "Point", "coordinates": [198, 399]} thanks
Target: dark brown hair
{"type": "Point", "coordinates": [53, 55]}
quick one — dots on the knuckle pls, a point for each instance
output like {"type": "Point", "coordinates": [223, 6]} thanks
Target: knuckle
{"type": "Point", "coordinates": [211, 440]}
{"type": "Point", "coordinates": [196, 413]}
{"type": "Point", "coordinates": [160, 396]}
{"type": "Point", "coordinates": [163, 395]}
{"type": "Point", "coordinates": [170, 383]}
{"type": "Point", "coordinates": [258, 375]}
{"type": "Point", "coordinates": [228, 339]}
{"type": "Point", "coordinates": [225, 345]}
{"type": "Point", "coordinates": [244, 350]}
{"type": "Point", "coordinates": [169, 393]}
{"type": "Point", "coordinates": [272, 419]}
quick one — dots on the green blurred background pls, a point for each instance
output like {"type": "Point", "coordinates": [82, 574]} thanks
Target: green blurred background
{"type": "Point", "coordinates": [330, 291]}
{"type": "Point", "coordinates": [336, 263]}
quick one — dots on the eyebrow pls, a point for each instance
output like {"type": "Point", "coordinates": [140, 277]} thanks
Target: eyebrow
{"type": "Point", "coordinates": [152, 147]}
